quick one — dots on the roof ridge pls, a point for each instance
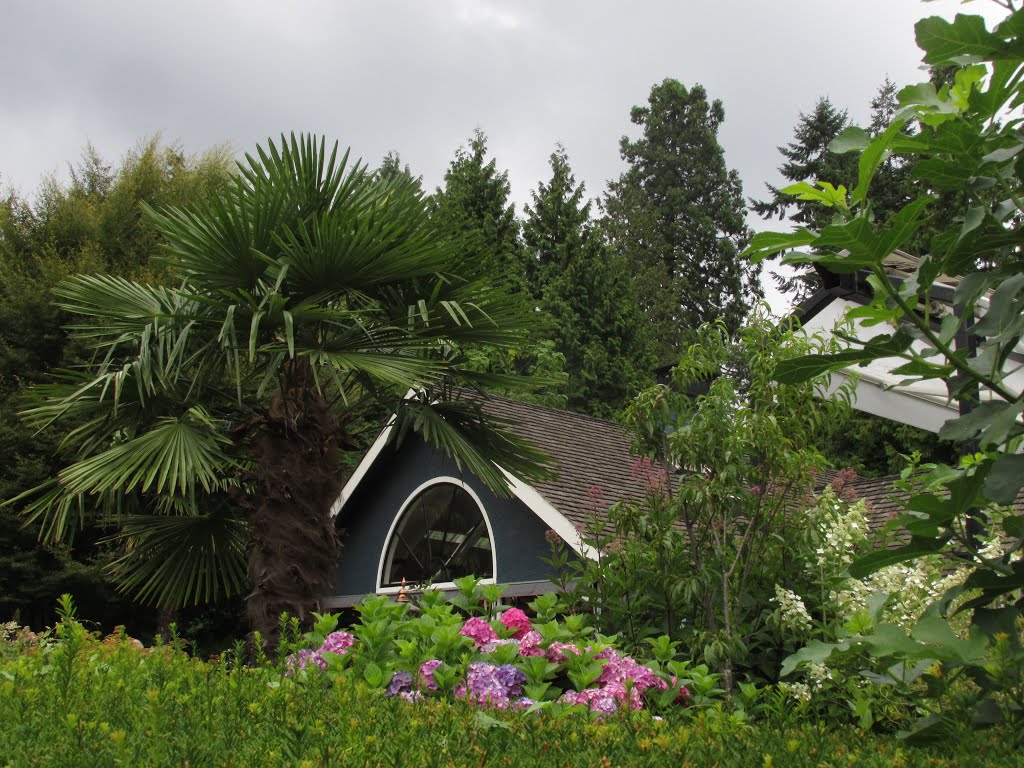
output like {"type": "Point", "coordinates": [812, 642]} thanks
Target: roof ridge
{"type": "Point", "coordinates": [552, 409]}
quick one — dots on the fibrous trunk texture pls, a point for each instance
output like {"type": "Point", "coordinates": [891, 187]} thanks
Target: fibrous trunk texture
{"type": "Point", "coordinates": [295, 548]}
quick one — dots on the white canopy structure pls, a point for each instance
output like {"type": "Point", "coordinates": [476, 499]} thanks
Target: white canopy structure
{"type": "Point", "coordinates": [923, 404]}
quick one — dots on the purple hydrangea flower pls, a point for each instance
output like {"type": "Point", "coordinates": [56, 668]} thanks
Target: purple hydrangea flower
{"type": "Point", "coordinates": [512, 678]}
{"type": "Point", "coordinates": [484, 687]}
{"type": "Point", "coordinates": [400, 681]}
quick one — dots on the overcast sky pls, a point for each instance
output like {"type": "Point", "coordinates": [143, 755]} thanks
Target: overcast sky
{"type": "Point", "coordinates": [419, 77]}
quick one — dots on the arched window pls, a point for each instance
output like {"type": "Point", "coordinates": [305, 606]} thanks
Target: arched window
{"type": "Point", "coordinates": [440, 534]}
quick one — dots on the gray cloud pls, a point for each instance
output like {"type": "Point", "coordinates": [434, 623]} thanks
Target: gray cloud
{"type": "Point", "coordinates": [420, 76]}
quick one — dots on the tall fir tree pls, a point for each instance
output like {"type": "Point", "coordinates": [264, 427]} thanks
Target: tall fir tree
{"type": "Point", "coordinates": [585, 287]}
{"type": "Point", "coordinates": [474, 205]}
{"type": "Point", "coordinates": [808, 158]}
{"type": "Point", "coordinates": [677, 218]}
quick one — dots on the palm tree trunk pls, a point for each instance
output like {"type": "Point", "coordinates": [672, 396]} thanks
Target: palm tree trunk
{"type": "Point", "coordinates": [295, 549]}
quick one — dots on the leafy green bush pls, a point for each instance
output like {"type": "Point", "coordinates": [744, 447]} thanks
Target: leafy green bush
{"type": "Point", "coordinates": [962, 137]}
{"type": "Point", "coordinates": [698, 558]}
{"type": "Point", "coordinates": [73, 699]}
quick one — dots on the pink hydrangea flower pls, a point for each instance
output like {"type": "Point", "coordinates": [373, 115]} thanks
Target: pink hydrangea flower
{"type": "Point", "coordinates": [529, 644]}
{"type": "Point", "coordinates": [478, 630]}
{"type": "Point", "coordinates": [622, 669]}
{"type": "Point", "coordinates": [338, 642]}
{"type": "Point", "coordinates": [427, 668]}
{"type": "Point", "coordinates": [607, 699]}
{"type": "Point", "coordinates": [515, 619]}
{"type": "Point", "coordinates": [556, 651]}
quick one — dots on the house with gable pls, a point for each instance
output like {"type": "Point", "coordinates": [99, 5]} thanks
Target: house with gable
{"type": "Point", "coordinates": [409, 515]}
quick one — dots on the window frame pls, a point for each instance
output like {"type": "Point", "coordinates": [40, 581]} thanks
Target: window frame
{"type": "Point", "coordinates": [440, 480]}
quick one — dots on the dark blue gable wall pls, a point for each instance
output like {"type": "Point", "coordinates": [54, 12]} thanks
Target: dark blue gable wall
{"type": "Point", "coordinates": [518, 533]}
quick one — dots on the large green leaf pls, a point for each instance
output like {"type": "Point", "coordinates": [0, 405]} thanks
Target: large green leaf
{"type": "Point", "coordinates": [766, 244]}
{"type": "Point", "coordinates": [176, 456]}
{"type": "Point", "coordinates": [798, 369]}
{"type": "Point", "coordinates": [881, 558]}
{"type": "Point", "coordinates": [944, 41]}
{"type": "Point", "coordinates": [1005, 479]}
{"type": "Point", "coordinates": [814, 652]}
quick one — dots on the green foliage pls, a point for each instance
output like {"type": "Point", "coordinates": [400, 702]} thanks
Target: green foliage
{"type": "Point", "coordinates": [874, 446]}
{"type": "Point", "coordinates": [95, 223]}
{"type": "Point", "coordinates": [969, 142]}
{"type": "Point", "coordinates": [473, 208]}
{"type": "Point", "coordinates": [822, 171]}
{"type": "Point", "coordinates": [676, 216]}
{"type": "Point", "coordinates": [585, 287]}
{"type": "Point", "coordinates": [77, 699]}
{"type": "Point", "coordinates": [698, 560]}
{"type": "Point", "coordinates": [303, 293]}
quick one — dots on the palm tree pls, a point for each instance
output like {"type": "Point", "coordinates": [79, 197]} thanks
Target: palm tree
{"type": "Point", "coordinates": [207, 431]}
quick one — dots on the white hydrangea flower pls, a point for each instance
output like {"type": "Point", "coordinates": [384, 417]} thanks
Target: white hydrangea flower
{"type": "Point", "coordinates": [793, 612]}
{"type": "Point", "coordinates": [796, 691]}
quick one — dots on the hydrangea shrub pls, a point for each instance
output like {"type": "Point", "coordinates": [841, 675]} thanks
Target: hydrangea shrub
{"type": "Point", "coordinates": [500, 663]}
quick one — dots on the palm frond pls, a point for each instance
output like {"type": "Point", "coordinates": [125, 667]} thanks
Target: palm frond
{"type": "Point", "coordinates": [482, 444]}
{"type": "Point", "coordinates": [178, 455]}
{"type": "Point", "coordinates": [174, 560]}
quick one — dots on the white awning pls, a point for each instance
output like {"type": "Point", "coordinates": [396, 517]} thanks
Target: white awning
{"type": "Point", "coordinates": [923, 404]}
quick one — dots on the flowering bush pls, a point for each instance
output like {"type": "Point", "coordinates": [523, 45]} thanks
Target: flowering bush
{"type": "Point", "coordinates": [502, 663]}
{"type": "Point", "coordinates": [844, 620]}
{"type": "Point", "coordinates": [337, 643]}
{"type": "Point", "coordinates": [79, 700]}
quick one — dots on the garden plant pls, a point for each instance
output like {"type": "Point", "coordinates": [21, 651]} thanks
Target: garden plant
{"type": "Point", "coordinates": [68, 697]}
{"type": "Point", "coordinates": [961, 138]}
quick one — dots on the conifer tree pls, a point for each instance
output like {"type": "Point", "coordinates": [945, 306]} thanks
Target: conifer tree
{"type": "Point", "coordinates": [677, 218]}
{"type": "Point", "coordinates": [808, 158]}
{"type": "Point", "coordinates": [586, 288]}
{"type": "Point", "coordinates": [474, 206]}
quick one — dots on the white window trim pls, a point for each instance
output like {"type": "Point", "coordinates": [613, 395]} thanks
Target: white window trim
{"type": "Point", "coordinates": [440, 480]}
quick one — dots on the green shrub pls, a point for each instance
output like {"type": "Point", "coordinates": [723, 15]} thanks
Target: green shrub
{"type": "Point", "coordinates": [73, 699]}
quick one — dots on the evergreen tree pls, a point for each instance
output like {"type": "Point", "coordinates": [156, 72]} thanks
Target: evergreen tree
{"type": "Point", "coordinates": [677, 218]}
{"type": "Point", "coordinates": [391, 167]}
{"type": "Point", "coordinates": [808, 158]}
{"type": "Point", "coordinates": [585, 287]}
{"type": "Point", "coordinates": [474, 207]}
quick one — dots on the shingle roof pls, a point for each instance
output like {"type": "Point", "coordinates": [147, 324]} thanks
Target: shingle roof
{"type": "Point", "coordinates": [589, 453]}
{"type": "Point", "coordinates": [593, 453]}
